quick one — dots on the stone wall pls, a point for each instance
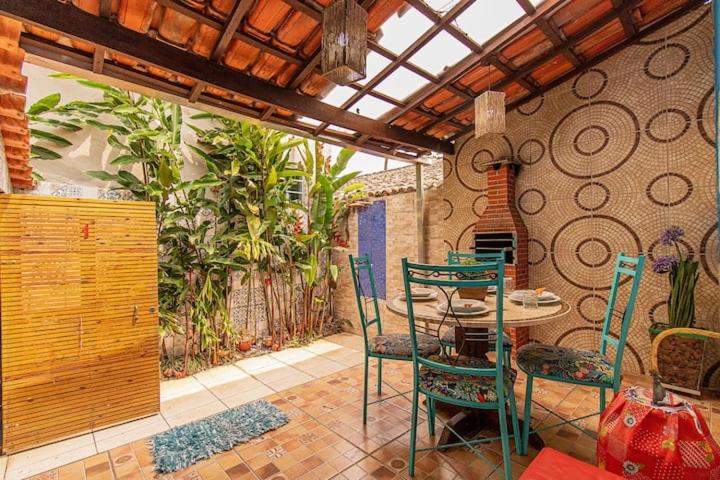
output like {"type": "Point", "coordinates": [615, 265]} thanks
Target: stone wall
{"type": "Point", "coordinates": [401, 242]}
{"type": "Point", "coordinates": [610, 158]}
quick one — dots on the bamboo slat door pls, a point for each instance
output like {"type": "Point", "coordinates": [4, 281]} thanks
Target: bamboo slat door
{"type": "Point", "coordinates": [78, 314]}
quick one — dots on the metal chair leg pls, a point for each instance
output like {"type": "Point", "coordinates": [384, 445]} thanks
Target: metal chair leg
{"type": "Point", "coordinates": [365, 391]}
{"type": "Point", "coordinates": [527, 418]}
{"type": "Point", "coordinates": [602, 400]}
{"type": "Point", "coordinates": [413, 431]}
{"type": "Point", "coordinates": [504, 440]}
{"type": "Point", "coordinates": [431, 415]}
{"type": "Point", "coordinates": [516, 424]}
{"type": "Point", "coordinates": [379, 379]}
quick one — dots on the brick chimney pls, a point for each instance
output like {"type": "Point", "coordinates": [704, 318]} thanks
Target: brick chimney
{"type": "Point", "coordinates": [501, 215]}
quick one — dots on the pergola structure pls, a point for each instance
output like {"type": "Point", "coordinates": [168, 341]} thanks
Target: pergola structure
{"type": "Point", "coordinates": [260, 58]}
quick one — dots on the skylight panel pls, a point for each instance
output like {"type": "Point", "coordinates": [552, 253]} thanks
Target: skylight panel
{"type": "Point", "coordinates": [399, 32]}
{"type": "Point", "coordinates": [536, 2]}
{"type": "Point", "coordinates": [441, 6]}
{"type": "Point", "coordinates": [401, 84]}
{"type": "Point", "coordinates": [484, 19]}
{"type": "Point", "coordinates": [371, 107]}
{"type": "Point", "coordinates": [375, 63]}
{"type": "Point", "coordinates": [310, 121]}
{"type": "Point", "coordinates": [338, 95]}
{"type": "Point", "coordinates": [441, 52]}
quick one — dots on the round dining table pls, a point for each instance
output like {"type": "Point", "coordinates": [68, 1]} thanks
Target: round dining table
{"type": "Point", "coordinates": [427, 313]}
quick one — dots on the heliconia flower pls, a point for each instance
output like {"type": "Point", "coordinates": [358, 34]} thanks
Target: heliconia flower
{"type": "Point", "coordinates": [671, 235]}
{"type": "Point", "coordinates": [664, 263]}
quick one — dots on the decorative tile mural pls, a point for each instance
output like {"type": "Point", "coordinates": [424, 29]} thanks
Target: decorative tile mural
{"type": "Point", "coordinates": [371, 241]}
{"type": "Point", "coordinates": [609, 159]}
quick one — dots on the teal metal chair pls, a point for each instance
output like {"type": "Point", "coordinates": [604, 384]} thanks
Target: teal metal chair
{"type": "Point", "coordinates": [447, 340]}
{"type": "Point", "coordinates": [459, 380]}
{"type": "Point", "coordinates": [394, 346]}
{"type": "Point", "coordinates": [581, 367]}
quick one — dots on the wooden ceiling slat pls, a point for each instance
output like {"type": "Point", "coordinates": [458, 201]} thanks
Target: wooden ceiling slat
{"type": "Point", "coordinates": [76, 24]}
{"type": "Point", "coordinates": [231, 26]}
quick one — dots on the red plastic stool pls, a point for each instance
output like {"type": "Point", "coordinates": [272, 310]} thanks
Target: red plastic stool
{"type": "Point", "coordinates": [553, 465]}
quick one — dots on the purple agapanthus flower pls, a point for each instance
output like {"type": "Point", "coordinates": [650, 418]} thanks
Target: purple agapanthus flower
{"type": "Point", "coordinates": [664, 263]}
{"type": "Point", "coordinates": [671, 235]}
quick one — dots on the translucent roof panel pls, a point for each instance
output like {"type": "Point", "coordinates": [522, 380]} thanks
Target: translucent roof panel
{"type": "Point", "coordinates": [338, 95]}
{"type": "Point", "coordinates": [372, 107]}
{"type": "Point", "coordinates": [310, 121]}
{"type": "Point", "coordinates": [441, 6]}
{"type": "Point", "coordinates": [484, 19]}
{"type": "Point", "coordinates": [399, 32]}
{"type": "Point", "coordinates": [401, 84]}
{"type": "Point", "coordinates": [375, 63]}
{"type": "Point", "coordinates": [441, 52]}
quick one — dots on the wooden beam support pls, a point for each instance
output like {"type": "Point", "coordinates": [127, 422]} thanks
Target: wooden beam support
{"type": "Point", "coordinates": [231, 26]}
{"type": "Point", "coordinates": [626, 19]}
{"type": "Point", "coordinates": [77, 24]}
{"type": "Point", "coordinates": [98, 60]}
{"type": "Point", "coordinates": [105, 8]}
{"type": "Point", "coordinates": [450, 28]}
{"type": "Point", "coordinates": [196, 91]}
{"type": "Point", "coordinates": [526, 83]}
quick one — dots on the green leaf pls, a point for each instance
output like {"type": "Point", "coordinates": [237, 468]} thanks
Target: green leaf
{"type": "Point", "coordinates": [44, 104]}
{"type": "Point", "coordinates": [165, 174]}
{"type": "Point", "coordinates": [50, 137]}
{"type": "Point", "coordinates": [102, 175]}
{"type": "Point", "coordinates": [43, 153]}
{"type": "Point", "coordinates": [206, 181]}
{"type": "Point", "coordinates": [37, 177]}
{"type": "Point", "coordinates": [128, 160]}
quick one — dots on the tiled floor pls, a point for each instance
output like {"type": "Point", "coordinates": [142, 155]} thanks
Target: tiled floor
{"type": "Point", "coordinates": [320, 387]}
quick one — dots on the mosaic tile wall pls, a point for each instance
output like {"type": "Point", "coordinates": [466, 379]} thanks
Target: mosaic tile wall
{"type": "Point", "coordinates": [609, 159]}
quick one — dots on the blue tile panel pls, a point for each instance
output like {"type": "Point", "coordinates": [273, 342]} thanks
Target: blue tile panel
{"type": "Point", "coordinates": [371, 241]}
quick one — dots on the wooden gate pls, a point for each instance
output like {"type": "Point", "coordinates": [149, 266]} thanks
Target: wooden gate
{"type": "Point", "coordinates": [78, 309]}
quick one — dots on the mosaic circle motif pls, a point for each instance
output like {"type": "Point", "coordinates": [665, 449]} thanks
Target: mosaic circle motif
{"type": "Point", "coordinates": [674, 191]}
{"type": "Point", "coordinates": [573, 138]}
{"type": "Point", "coordinates": [577, 258]}
{"type": "Point", "coordinates": [663, 37]}
{"type": "Point", "coordinates": [591, 140]}
{"type": "Point", "coordinates": [592, 196]}
{"type": "Point", "coordinates": [593, 252]}
{"type": "Point", "coordinates": [473, 154]}
{"type": "Point", "coordinates": [465, 239]}
{"type": "Point", "coordinates": [448, 208]}
{"type": "Point", "coordinates": [706, 113]}
{"type": "Point", "coordinates": [592, 307]}
{"type": "Point", "coordinates": [685, 248]}
{"type": "Point", "coordinates": [658, 312]}
{"type": "Point", "coordinates": [590, 84]}
{"type": "Point", "coordinates": [579, 337]}
{"type": "Point", "coordinates": [667, 125]}
{"type": "Point", "coordinates": [667, 61]}
{"type": "Point", "coordinates": [709, 248]}
{"type": "Point", "coordinates": [532, 106]}
{"type": "Point", "coordinates": [531, 151]}
{"type": "Point", "coordinates": [531, 201]}
{"type": "Point", "coordinates": [479, 204]}
{"type": "Point", "coordinates": [537, 252]}
{"type": "Point", "coordinates": [447, 168]}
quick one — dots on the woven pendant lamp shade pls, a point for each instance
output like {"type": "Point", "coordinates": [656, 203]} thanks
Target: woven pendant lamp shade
{"type": "Point", "coordinates": [489, 113]}
{"type": "Point", "coordinates": [344, 42]}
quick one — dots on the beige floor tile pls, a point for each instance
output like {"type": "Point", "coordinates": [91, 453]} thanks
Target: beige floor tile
{"type": "Point", "coordinates": [3, 466]}
{"type": "Point", "coordinates": [37, 460]}
{"type": "Point", "coordinates": [236, 387]}
{"type": "Point", "coordinates": [294, 379]}
{"type": "Point", "coordinates": [248, 396]}
{"type": "Point", "coordinates": [187, 402]}
{"type": "Point", "coordinates": [261, 364]}
{"type": "Point", "coordinates": [109, 438]}
{"type": "Point", "coordinates": [172, 389]}
{"type": "Point", "coordinates": [319, 366]}
{"type": "Point", "coordinates": [291, 356]}
{"type": "Point", "coordinates": [176, 418]}
{"type": "Point", "coordinates": [346, 356]}
{"type": "Point", "coordinates": [220, 375]}
{"type": "Point", "coordinates": [321, 347]}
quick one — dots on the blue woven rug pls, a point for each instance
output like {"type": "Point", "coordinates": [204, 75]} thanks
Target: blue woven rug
{"type": "Point", "coordinates": [182, 446]}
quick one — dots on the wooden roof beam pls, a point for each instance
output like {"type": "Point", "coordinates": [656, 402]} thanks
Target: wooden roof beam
{"type": "Point", "coordinates": [74, 23]}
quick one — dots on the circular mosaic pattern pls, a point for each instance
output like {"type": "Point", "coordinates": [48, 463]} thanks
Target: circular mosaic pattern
{"type": "Point", "coordinates": [532, 106]}
{"type": "Point", "coordinates": [686, 249]}
{"type": "Point", "coordinates": [667, 61]}
{"type": "Point", "coordinates": [537, 252]}
{"type": "Point", "coordinates": [592, 196]}
{"type": "Point", "coordinates": [590, 84]}
{"type": "Point", "coordinates": [592, 308]}
{"type": "Point", "coordinates": [447, 167]}
{"type": "Point", "coordinates": [667, 125]}
{"type": "Point", "coordinates": [658, 312]}
{"type": "Point", "coordinates": [593, 252]}
{"type": "Point", "coordinates": [591, 140]}
{"type": "Point", "coordinates": [709, 246]}
{"type": "Point", "coordinates": [479, 204]}
{"type": "Point", "coordinates": [675, 191]}
{"type": "Point", "coordinates": [611, 117]}
{"type": "Point", "coordinates": [705, 113]}
{"type": "Point", "coordinates": [473, 153]}
{"type": "Point", "coordinates": [582, 335]}
{"type": "Point", "coordinates": [465, 239]}
{"type": "Point", "coordinates": [566, 247]}
{"type": "Point", "coordinates": [662, 37]}
{"type": "Point", "coordinates": [531, 202]}
{"type": "Point", "coordinates": [448, 208]}
{"type": "Point", "coordinates": [531, 151]}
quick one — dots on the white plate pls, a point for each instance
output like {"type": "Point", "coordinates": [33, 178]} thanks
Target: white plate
{"type": "Point", "coordinates": [427, 298]}
{"type": "Point", "coordinates": [459, 308]}
{"type": "Point", "coordinates": [541, 301]}
{"type": "Point", "coordinates": [421, 292]}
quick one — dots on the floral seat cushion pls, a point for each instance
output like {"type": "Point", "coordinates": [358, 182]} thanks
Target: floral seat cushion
{"type": "Point", "coordinates": [470, 388]}
{"type": "Point", "coordinates": [399, 344]}
{"type": "Point", "coordinates": [449, 339]}
{"type": "Point", "coordinates": [564, 363]}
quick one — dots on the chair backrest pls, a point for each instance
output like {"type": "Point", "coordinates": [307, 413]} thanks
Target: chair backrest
{"type": "Point", "coordinates": [367, 302]}
{"type": "Point", "coordinates": [626, 268]}
{"type": "Point", "coordinates": [458, 258]}
{"type": "Point", "coordinates": [447, 279]}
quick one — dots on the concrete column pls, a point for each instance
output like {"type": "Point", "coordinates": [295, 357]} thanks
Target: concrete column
{"type": "Point", "coordinates": [420, 212]}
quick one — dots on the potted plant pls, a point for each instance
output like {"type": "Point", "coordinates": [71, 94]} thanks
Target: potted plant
{"type": "Point", "coordinates": [680, 356]}
{"type": "Point", "coordinates": [476, 293]}
{"type": "Point", "coordinates": [245, 341]}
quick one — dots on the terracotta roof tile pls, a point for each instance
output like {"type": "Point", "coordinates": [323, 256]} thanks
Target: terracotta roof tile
{"type": "Point", "coordinates": [400, 180]}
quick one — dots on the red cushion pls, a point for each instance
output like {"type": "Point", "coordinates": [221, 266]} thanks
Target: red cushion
{"type": "Point", "coordinates": [553, 465]}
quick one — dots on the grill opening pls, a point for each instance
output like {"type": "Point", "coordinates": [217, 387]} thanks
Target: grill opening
{"type": "Point", "coordinates": [492, 242]}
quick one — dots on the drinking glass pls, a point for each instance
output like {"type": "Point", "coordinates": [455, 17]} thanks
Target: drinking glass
{"type": "Point", "coordinates": [508, 285]}
{"type": "Point", "coordinates": [530, 300]}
